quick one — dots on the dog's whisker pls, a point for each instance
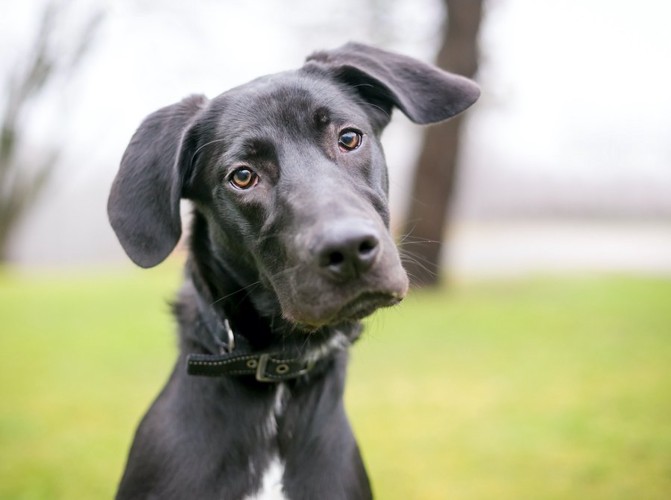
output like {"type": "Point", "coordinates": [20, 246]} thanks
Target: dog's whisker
{"type": "Point", "coordinates": [371, 104]}
{"type": "Point", "coordinates": [416, 241]}
{"type": "Point", "coordinates": [195, 153]}
{"type": "Point", "coordinates": [423, 263]}
{"type": "Point", "coordinates": [281, 273]}
{"type": "Point", "coordinates": [247, 289]}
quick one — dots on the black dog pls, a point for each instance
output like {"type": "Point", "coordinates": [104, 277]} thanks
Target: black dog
{"type": "Point", "coordinates": [289, 249]}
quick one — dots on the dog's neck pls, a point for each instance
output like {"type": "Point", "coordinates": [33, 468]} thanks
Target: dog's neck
{"type": "Point", "coordinates": [216, 296]}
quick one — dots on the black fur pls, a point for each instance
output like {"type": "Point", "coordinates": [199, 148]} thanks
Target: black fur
{"type": "Point", "coordinates": [293, 263]}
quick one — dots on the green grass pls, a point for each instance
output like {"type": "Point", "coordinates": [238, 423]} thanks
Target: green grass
{"type": "Point", "coordinates": [538, 388]}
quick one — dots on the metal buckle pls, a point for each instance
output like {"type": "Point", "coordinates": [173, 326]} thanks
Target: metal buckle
{"type": "Point", "coordinates": [261, 369]}
{"type": "Point", "coordinates": [263, 363]}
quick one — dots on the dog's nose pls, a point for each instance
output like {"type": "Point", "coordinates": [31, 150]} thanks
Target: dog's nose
{"type": "Point", "coordinates": [346, 251]}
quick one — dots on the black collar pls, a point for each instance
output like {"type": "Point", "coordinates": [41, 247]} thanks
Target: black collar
{"type": "Point", "coordinates": [265, 366]}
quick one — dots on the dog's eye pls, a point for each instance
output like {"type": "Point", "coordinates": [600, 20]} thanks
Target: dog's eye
{"type": "Point", "coordinates": [243, 178]}
{"type": "Point", "coordinates": [349, 139]}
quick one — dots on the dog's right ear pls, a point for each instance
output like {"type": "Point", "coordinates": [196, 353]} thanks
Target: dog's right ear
{"type": "Point", "coordinates": [423, 92]}
{"type": "Point", "coordinates": [143, 205]}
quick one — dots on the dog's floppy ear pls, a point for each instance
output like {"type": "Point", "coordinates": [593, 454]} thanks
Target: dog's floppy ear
{"type": "Point", "coordinates": [423, 92]}
{"type": "Point", "coordinates": [143, 205]}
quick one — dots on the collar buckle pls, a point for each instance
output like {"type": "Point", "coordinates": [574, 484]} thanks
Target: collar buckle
{"type": "Point", "coordinates": [261, 368]}
{"type": "Point", "coordinates": [281, 370]}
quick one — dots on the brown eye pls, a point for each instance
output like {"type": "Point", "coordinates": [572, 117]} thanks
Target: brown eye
{"type": "Point", "coordinates": [349, 139]}
{"type": "Point", "coordinates": [243, 178]}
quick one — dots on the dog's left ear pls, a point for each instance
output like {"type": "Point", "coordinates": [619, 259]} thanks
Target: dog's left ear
{"type": "Point", "coordinates": [424, 93]}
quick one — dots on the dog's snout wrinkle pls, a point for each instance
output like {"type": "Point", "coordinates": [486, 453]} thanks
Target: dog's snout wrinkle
{"type": "Point", "coordinates": [347, 250]}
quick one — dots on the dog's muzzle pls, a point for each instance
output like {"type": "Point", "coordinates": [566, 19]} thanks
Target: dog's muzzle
{"type": "Point", "coordinates": [348, 269]}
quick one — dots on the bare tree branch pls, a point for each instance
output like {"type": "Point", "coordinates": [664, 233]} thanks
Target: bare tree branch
{"type": "Point", "coordinates": [23, 180]}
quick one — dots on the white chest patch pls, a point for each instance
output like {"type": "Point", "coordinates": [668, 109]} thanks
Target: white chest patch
{"type": "Point", "coordinates": [271, 484]}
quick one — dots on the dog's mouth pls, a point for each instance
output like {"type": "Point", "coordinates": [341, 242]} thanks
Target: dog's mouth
{"type": "Point", "coordinates": [361, 306]}
{"type": "Point", "coordinates": [365, 304]}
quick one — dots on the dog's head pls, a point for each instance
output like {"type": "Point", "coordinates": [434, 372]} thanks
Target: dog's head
{"type": "Point", "coordinates": [289, 174]}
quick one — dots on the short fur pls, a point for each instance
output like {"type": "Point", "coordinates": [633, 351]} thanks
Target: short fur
{"type": "Point", "coordinates": [292, 262]}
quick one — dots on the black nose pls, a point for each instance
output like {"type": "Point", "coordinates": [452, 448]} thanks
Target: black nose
{"type": "Point", "coordinates": [347, 250]}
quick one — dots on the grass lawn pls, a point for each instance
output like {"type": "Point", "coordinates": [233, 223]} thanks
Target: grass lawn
{"type": "Point", "coordinates": [537, 388]}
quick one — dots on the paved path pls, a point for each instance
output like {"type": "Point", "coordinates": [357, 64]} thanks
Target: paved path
{"type": "Point", "coordinates": [509, 248]}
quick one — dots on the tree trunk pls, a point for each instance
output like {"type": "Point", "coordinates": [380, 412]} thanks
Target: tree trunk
{"type": "Point", "coordinates": [436, 169]}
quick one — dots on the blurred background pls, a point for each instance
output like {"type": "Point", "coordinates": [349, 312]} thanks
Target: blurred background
{"type": "Point", "coordinates": [564, 162]}
{"type": "Point", "coordinates": [552, 219]}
